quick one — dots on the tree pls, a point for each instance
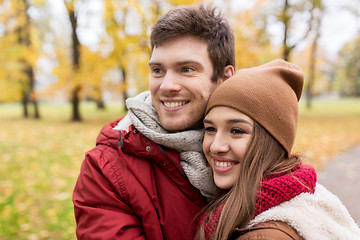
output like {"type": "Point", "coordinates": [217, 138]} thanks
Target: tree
{"type": "Point", "coordinates": [292, 15]}
{"type": "Point", "coordinates": [20, 54]}
{"type": "Point", "coordinates": [316, 13]}
{"type": "Point", "coordinates": [24, 39]}
{"type": "Point", "coordinates": [116, 19]}
{"type": "Point", "coordinates": [252, 41]}
{"type": "Point", "coordinates": [349, 68]}
{"type": "Point", "coordinates": [76, 86]}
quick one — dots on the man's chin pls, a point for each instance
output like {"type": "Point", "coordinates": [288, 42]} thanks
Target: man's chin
{"type": "Point", "coordinates": [177, 126]}
{"type": "Point", "coordinates": [174, 126]}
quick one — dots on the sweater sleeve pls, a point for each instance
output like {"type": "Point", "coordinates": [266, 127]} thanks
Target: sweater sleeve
{"type": "Point", "coordinates": [100, 211]}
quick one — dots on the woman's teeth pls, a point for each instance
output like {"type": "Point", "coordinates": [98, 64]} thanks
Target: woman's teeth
{"type": "Point", "coordinates": [224, 164]}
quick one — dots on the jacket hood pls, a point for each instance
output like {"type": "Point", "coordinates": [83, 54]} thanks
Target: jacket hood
{"type": "Point", "coordinates": [130, 140]}
{"type": "Point", "coordinates": [108, 136]}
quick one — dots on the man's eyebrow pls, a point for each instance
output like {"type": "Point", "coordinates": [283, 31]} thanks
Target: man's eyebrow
{"type": "Point", "coordinates": [181, 63]}
{"type": "Point", "coordinates": [188, 62]}
{"type": "Point", "coordinates": [153, 63]}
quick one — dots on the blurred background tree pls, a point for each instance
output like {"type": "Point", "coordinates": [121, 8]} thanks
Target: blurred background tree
{"type": "Point", "coordinates": [348, 62]}
{"type": "Point", "coordinates": [97, 50]}
{"type": "Point", "coordinates": [20, 48]}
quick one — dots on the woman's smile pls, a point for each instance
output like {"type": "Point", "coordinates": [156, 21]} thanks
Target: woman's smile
{"type": "Point", "coordinates": [223, 165]}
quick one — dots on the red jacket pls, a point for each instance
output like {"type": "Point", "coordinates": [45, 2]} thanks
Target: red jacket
{"type": "Point", "coordinates": [131, 188]}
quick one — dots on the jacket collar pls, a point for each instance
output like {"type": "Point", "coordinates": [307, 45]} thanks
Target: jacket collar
{"type": "Point", "coordinates": [130, 141]}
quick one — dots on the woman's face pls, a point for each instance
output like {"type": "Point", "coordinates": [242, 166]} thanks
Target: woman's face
{"type": "Point", "coordinates": [227, 136]}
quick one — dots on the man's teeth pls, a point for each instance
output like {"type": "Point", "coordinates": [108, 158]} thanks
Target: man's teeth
{"type": "Point", "coordinates": [174, 104]}
{"type": "Point", "coordinates": [224, 164]}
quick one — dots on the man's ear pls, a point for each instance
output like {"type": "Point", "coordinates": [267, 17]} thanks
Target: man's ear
{"type": "Point", "coordinates": [228, 72]}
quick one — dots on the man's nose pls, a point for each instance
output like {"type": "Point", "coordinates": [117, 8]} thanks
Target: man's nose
{"type": "Point", "coordinates": [170, 82]}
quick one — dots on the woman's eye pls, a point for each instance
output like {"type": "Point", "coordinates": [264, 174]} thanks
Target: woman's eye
{"type": "Point", "coordinates": [210, 129]}
{"type": "Point", "coordinates": [237, 131]}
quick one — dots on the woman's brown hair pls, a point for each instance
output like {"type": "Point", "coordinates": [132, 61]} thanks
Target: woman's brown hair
{"type": "Point", "coordinates": [264, 156]}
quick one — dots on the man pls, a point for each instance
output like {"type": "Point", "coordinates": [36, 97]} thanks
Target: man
{"type": "Point", "coordinates": [147, 177]}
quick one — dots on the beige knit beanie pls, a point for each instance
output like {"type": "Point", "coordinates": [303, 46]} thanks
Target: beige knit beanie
{"type": "Point", "coordinates": [269, 94]}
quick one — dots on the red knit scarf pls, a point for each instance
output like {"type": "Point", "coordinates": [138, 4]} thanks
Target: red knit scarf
{"type": "Point", "coordinates": [275, 189]}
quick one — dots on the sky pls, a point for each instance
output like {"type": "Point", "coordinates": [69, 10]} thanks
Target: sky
{"type": "Point", "coordinates": [339, 26]}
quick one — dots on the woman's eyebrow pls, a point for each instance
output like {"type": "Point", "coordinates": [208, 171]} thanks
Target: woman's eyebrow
{"type": "Point", "coordinates": [238, 121]}
{"type": "Point", "coordinates": [207, 121]}
{"type": "Point", "coordinates": [231, 121]}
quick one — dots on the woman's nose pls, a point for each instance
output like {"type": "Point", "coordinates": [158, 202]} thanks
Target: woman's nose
{"type": "Point", "coordinates": [219, 144]}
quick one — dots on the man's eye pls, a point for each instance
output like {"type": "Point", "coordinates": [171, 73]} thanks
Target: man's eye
{"type": "Point", "coordinates": [187, 69]}
{"type": "Point", "coordinates": [156, 70]}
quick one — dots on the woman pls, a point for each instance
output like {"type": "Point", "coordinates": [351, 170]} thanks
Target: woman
{"type": "Point", "coordinates": [265, 192]}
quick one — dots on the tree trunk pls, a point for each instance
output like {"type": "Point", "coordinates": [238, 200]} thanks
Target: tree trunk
{"type": "Point", "coordinates": [25, 104]}
{"type": "Point", "coordinates": [124, 92]}
{"type": "Point", "coordinates": [311, 79]}
{"type": "Point", "coordinates": [357, 75]}
{"type": "Point", "coordinates": [29, 86]}
{"type": "Point", "coordinates": [313, 55]}
{"type": "Point", "coordinates": [285, 20]}
{"type": "Point", "coordinates": [30, 73]}
{"type": "Point", "coordinates": [75, 94]}
{"type": "Point", "coordinates": [100, 104]}
{"type": "Point", "coordinates": [99, 101]}
{"type": "Point", "coordinates": [36, 110]}
{"type": "Point", "coordinates": [76, 117]}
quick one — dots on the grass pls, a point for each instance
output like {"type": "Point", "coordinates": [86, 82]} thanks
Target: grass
{"type": "Point", "coordinates": [39, 164]}
{"type": "Point", "coordinates": [40, 159]}
{"type": "Point", "coordinates": [327, 129]}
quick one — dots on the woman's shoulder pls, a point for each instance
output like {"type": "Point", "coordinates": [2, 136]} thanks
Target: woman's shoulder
{"type": "Point", "coordinates": [268, 231]}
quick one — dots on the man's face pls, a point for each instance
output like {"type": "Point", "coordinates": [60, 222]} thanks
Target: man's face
{"type": "Point", "coordinates": [180, 82]}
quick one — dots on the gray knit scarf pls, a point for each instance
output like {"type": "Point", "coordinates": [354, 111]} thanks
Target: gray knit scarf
{"type": "Point", "coordinates": [188, 143]}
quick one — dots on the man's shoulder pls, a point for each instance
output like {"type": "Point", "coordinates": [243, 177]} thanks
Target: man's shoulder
{"type": "Point", "coordinates": [268, 231]}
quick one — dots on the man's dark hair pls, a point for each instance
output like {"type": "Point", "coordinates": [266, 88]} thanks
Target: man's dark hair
{"type": "Point", "coordinates": [204, 23]}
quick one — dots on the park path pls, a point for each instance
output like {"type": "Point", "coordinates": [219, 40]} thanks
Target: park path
{"type": "Point", "coordinates": [341, 176]}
